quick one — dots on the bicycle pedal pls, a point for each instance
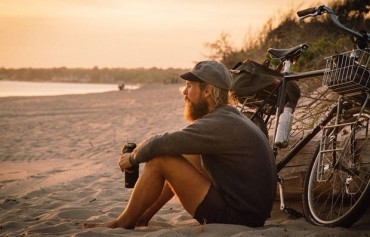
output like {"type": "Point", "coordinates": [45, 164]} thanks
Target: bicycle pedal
{"type": "Point", "coordinates": [293, 213]}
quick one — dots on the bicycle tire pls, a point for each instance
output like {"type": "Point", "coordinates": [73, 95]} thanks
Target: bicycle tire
{"type": "Point", "coordinates": [337, 196]}
{"type": "Point", "coordinates": [257, 120]}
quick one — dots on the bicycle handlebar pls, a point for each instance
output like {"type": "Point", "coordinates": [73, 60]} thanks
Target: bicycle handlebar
{"type": "Point", "coordinates": [307, 12]}
{"type": "Point", "coordinates": [315, 11]}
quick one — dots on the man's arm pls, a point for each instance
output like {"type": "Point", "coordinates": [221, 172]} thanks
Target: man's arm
{"type": "Point", "coordinates": [201, 137]}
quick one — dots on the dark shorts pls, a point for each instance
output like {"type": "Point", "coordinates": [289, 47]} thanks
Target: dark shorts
{"type": "Point", "coordinates": [213, 209]}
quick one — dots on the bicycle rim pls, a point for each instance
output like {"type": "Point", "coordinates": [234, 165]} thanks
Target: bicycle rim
{"type": "Point", "coordinates": [336, 193]}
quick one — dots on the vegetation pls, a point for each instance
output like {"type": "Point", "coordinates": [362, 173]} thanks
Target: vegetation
{"type": "Point", "coordinates": [319, 33]}
{"type": "Point", "coordinates": [94, 75]}
{"type": "Point", "coordinates": [323, 39]}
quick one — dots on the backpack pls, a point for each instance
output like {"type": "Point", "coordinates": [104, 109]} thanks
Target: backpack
{"type": "Point", "coordinates": [253, 79]}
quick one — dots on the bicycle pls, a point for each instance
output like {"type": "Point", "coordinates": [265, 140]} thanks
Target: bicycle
{"type": "Point", "coordinates": [336, 188]}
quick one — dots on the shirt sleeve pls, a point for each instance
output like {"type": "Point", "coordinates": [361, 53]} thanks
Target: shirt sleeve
{"type": "Point", "coordinates": [197, 138]}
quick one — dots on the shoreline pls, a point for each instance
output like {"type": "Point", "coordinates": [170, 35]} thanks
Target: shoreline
{"type": "Point", "coordinates": [9, 88]}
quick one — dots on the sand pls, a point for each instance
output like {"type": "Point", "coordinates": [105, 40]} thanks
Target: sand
{"type": "Point", "coordinates": [59, 167]}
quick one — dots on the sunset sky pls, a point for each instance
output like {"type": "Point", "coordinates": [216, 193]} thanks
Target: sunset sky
{"type": "Point", "coordinates": [127, 33]}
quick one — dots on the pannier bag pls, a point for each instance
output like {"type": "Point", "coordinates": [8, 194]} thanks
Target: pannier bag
{"type": "Point", "coordinates": [251, 78]}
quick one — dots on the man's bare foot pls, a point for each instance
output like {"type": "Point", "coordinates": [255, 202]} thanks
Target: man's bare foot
{"type": "Point", "coordinates": [112, 225]}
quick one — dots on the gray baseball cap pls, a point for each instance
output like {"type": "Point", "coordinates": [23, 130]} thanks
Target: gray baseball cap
{"type": "Point", "coordinates": [210, 72]}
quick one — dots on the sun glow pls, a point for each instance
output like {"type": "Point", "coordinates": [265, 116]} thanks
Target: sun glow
{"type": "Point", "coordinates": [130, 33]}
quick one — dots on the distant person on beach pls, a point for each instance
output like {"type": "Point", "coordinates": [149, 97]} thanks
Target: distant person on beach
{"type": "Point", "coordinates": [229, 175]}
{"type": "Point", "coordinates": [121, 86]}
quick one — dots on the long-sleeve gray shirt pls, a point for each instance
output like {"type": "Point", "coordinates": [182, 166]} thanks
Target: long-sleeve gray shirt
{"type": "Point", "coordinates": [234, 152]}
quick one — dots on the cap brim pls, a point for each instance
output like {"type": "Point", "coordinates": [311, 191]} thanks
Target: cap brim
{"type": "Point", "coordinates": [190, 77]}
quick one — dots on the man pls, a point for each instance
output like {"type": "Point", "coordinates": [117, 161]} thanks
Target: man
{"type": "Point", "coordinates": [229, 175]}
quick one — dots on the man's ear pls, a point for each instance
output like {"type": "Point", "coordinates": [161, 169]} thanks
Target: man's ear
{"type": "Point", "coordinates": [208, 90]}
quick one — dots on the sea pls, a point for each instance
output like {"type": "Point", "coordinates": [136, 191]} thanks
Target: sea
{"type": "Point", "coordinates": [26, 88]}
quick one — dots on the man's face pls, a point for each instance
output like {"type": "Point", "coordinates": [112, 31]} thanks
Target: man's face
{"type": "Point", "coordinates": [196, 104]}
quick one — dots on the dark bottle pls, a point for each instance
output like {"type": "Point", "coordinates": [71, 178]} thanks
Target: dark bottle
{"type": "Point", "coordinates": [132, 173]}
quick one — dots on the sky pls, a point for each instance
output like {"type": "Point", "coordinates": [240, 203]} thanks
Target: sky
{"type": "Point", "coordinates": [128, 33]}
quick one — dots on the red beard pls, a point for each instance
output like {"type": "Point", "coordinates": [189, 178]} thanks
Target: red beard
{"type": "Point", "coordinates": [194, 111]}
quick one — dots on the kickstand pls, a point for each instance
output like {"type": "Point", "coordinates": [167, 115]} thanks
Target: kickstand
{"type": "Point", "coordinates": [290, 211]}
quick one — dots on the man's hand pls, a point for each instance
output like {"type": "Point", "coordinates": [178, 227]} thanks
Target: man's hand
{"type": "Point", "coordinates": [124, 162]}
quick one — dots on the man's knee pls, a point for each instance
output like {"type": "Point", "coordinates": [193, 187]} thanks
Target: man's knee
{"type": "Point", "coordinates": [163, 161]}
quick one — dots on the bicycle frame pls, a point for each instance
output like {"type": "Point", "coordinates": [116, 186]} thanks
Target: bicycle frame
{"type": "Point", "coordinates": [297, 147]}
{"type": "Point", "coordinates": [307, 138]}
{"type": "Point", "coordinates": [341, 130]}
{"type": "Point", "coordinates": [281, 95]}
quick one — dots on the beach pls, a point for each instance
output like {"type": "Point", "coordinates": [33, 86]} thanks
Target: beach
{"type": "Point", "coordinates": [59, 167]}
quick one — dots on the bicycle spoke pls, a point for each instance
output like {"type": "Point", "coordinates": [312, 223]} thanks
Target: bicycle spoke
{"type": "Point", "coordinates": [340, 177]}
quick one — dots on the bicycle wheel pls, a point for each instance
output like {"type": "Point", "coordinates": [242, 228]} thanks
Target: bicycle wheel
{"type": "Point", "coordinates": [337, 187]}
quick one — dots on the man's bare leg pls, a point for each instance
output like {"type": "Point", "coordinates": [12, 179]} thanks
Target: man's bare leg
{"type": "Point", "coordinates": [167, 193]}
{"type": "Point", "coordinates": [197, 162]}
{"type": "Point", "coordinates": [165, 196]}
{"type": "Point", "coordinates": [186, 181]}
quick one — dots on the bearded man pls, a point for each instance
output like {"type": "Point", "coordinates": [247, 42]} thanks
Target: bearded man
{"type": "Point", "coordinates": [228, 174]}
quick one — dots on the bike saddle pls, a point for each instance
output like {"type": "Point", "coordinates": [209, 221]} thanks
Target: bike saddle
{"type": "Point", "coordinates": [291, 53]}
